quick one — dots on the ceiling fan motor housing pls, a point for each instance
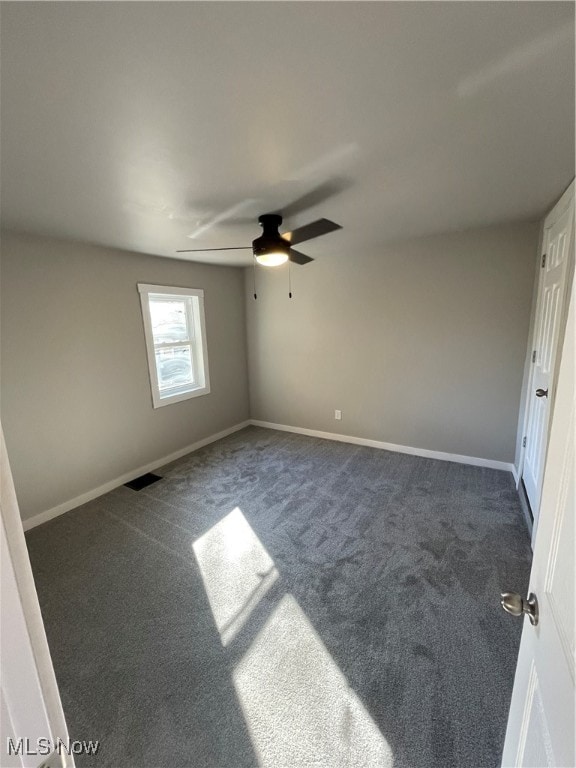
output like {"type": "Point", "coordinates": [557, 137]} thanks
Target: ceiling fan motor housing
{"type": "Point", "coordinates": [270, 240]}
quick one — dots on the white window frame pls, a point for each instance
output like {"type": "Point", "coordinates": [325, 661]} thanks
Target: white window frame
{"type": "Point", "coordinates": [197, 343]}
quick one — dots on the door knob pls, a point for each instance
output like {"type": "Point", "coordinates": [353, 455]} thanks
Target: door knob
{"type": "Point", "coordinates": [513, 603]}
{"type": "Point", "coordinates": [541, 393]}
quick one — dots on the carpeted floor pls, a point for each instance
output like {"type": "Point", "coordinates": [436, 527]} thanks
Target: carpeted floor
{"type": "Point", "coordinates": [283, 601]}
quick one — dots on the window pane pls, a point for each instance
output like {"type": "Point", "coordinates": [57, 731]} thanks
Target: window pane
{"type": "Point", "coordinates": [174, 367]}
{"type": "Point", "coordinates": [169, 320]}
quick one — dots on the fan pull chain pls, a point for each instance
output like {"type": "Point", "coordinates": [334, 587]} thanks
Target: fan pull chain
{"type": "Point", "coordinates": [289, 280]}
{"type": "Point", "coordinates": [254, 276]}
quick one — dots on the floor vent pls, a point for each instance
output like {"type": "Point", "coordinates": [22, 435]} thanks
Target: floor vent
{"type": "Point", "coordinates": [143, 481]}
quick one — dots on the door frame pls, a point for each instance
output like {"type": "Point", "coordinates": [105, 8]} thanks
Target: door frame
{"type": "Point", "coordinates": [565, 201]}
{"type": "Point", "coordinates": [31, 683]}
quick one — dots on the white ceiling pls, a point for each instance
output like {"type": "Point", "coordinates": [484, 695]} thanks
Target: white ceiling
{"type": "Point", "coordinates": [135, 125]}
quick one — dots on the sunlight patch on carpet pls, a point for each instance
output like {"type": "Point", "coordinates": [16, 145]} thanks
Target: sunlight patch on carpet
{"type": "Point", "coordinates": [298, 706]}
{"type": "Point", "coordinates": [237, 571]}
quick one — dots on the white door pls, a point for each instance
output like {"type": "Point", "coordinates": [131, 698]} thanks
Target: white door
{"type": "Point", "coordinates": [33, 729]}
{"type": "Point", "coordinates": [557, 263]}
{"type": "Point", "coordinates": [541, 721]}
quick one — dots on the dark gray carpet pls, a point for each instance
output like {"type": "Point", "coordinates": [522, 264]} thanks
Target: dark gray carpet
{"type": "Point", "coordinates": [285, 601]}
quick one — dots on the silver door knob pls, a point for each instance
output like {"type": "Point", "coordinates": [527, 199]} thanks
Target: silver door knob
{"type": "Point", "coordinates": [513, 603]}
{"type": "Point", "coordinates": [541, 393]}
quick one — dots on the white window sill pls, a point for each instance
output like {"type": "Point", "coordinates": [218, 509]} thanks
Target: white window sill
{"type": "Point", "coordinates": [176, 398]}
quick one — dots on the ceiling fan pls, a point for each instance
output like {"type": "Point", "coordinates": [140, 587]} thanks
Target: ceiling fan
{"type": "Point", "coordinates": [272, 249]}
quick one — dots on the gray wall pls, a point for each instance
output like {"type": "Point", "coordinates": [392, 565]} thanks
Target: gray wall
{"type": "Point", "coordinates": [76, 406]}
{"type": "Point", "coordinates": [420, 344]}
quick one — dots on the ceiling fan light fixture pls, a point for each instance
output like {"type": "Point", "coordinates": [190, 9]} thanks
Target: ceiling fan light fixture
{"type": "Point", "coordinates": [271, 249]}
{"type": "Point", "coordinates": [272, 258]}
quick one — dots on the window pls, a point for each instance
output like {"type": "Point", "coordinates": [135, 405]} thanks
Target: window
{"type": "Point", "coordinates": [175, 342]}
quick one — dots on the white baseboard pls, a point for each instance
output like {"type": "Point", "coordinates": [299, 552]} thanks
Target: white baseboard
{"type": "Point", "coordinates": [515, 475]}
{"type": "Point", "coordinates": [474, 460]}
{"type": "Point", "coordinates": [66, 506]}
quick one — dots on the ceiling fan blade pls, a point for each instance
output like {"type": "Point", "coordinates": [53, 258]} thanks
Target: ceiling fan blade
{"type": "Point", "coordinates": [299, 258]}
{"type": "Point", "coordinates": [309, 231]}
{"type": "Point", "coordinates": [316, 196]}
{"type": "Point", "coordinates": [200, 250]}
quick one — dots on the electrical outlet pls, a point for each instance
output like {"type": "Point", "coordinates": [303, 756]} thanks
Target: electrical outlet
{"type": "Point", "coordinates": [338, 415]}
